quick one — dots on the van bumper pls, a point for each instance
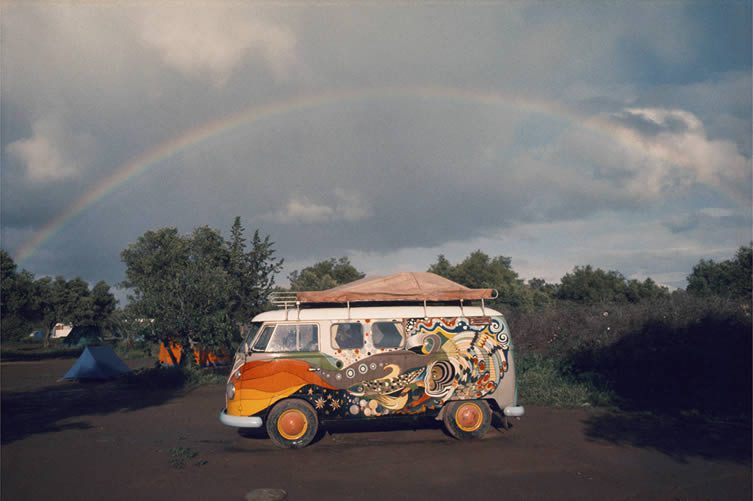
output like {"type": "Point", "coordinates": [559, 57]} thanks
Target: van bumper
{"type": "Point", "coordinates": [240, 421]}
{"type": "Point", "coordinates": [515, 411]}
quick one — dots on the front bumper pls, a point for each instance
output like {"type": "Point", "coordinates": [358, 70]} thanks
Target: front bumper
{"type": "Point", "coordinates": [515, 411]}
{"type": "Point", "coordinates": [240, 421]}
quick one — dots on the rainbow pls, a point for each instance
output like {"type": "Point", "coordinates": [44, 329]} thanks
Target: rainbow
{"type": "Point", "coordinates": [151, 158]}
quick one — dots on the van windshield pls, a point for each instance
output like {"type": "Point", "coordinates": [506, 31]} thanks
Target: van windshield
{"type": "Point", "coordinates": [253, 330]}
{"type": "Point", "coordinates": [260, 343]}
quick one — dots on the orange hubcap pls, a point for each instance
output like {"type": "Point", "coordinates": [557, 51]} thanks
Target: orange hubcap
{"type": "Point", "coordinates": [292, 424]}
{"type": "Point", "coordinates": [469, 417]}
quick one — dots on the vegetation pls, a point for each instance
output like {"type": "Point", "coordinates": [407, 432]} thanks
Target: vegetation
{"type": "Point", "coordinates": [595, 338]}
{"type": "Point", "coordinates": [479, 271]}
{"type": "Point", "coordinates": [197, 288]}
{"type": "Point", "coordinates": [584, 284]}
{"type": "Point", "coordinates": [729, 278]}
{"type": "Point", "coordinates": [588, 285]}
{"type": "Point", "coordinates": [551, 381]}
{"type": "Point", "coordinates": [180, 456]}
{"type": "Point", "coordinates": [324, 275]}
{"type": "Point", "coordinates": [598, 338]}
{"type": "Point", "coordinates": [29, 304]}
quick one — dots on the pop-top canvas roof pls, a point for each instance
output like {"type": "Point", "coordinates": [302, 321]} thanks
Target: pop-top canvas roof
{"type": "Point", "coordinates": [407, 286]}
{"type": "Point", "coordinates": [97, 362]}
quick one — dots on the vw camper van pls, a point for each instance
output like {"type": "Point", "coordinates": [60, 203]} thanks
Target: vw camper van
{"type": "Point", "coordinates": [407, 344]}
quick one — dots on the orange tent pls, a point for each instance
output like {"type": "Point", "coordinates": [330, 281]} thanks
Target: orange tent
{"type": "Point", "coordinates": [407, 286]}
{"type": "Point", "coordinates": [202, 358]}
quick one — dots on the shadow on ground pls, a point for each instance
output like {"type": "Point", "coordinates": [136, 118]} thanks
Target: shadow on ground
{"type": "Point", "coordinates": [55, 408]}
{"type": "Point", "coordinates": [678, 436]}
{"type": "Point", "coordinates": [685, 389]}
{"type": "Point", "coordinates": [351, 432]}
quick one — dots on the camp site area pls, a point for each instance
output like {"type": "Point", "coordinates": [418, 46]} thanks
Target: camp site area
{"type": "Point", "coordinates": [112, 439]}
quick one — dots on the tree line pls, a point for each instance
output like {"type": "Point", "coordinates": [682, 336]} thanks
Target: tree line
{"type": "Point", "coordinates": [202, 288]}
{"type": "Point", "coordinates": [730, 278]}
{"type": "Point", "coordinates": [27, 303]}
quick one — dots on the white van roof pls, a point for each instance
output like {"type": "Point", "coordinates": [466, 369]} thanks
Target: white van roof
{"type": "Point", "coordinates": [375, 312]}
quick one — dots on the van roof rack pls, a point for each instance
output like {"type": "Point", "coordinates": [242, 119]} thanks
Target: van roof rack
{"type": "Point", "coordinates": [284, 299]}
{"type": "Point", "coordinates": [405, 288]}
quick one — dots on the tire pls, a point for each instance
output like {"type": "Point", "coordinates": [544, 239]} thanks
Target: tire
{"type": "Point", "coordinates": [467, 419]}
{"type": "Point", "coordinates": [292, 424]}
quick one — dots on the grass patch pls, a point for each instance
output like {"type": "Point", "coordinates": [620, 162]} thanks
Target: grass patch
{"type": "Point", "coordinates": [180, 456]}
{"type": "Point", "coordinates": [207, 375]}
{"type": "Point", "coordinates": [35, 351]}
{"type": "Point", "coordinates": [135, 351]}
{"type": "Point", "coordinates": [176, 377]}
{"type": "Point", "coordinates": [551, 382]}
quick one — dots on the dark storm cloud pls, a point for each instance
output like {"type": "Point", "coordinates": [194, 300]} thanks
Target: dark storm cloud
{"type": "Point", "coordinates": [108, 83]}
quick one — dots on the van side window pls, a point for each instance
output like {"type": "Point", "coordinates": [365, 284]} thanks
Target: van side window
{"type": "Point", "coordinates": [308, 338]}
{"type": "Point", "coordinates": [294, 338]}
{"type": "Point", "coordinates": [347, 336]}
{"type": "Point", "coordinates": [386, 335]}
{"type": "Point", "coordinates": [263, 338]}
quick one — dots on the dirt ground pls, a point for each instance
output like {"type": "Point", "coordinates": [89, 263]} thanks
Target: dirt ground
{"type": "Point", "coordinates": [65, 440]}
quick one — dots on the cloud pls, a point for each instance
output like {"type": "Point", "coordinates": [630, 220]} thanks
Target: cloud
{"type": "Point", "coordinates": [299, 210]}
{"type": "Point", "coordinates": [213, 42]}
{"type": "Point", "coordinates": [52, 153]}
{"type": "Point", "coordinates": [643, 155]}
{"type": "Point", "coordinates": [424, 173]}
{"type": "Point", "coordinates": [708, 220]}
{"type": "Point", "coordinates": [681, 151]}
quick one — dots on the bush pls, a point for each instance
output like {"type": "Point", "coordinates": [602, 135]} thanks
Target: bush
{"type": "Point", "coordinates": [177, 377]}
{"type": "Point", "coordinates": [547, 381]}
{"type": "Point", "coordinates": [139, 349]}
{"type": "Point", "coordinates": [675, 354]}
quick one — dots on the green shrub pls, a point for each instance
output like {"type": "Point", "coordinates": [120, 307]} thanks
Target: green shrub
{"type": "Point", "coordinates": [180, 456]}
{"type": "Point", "coordinates": [176, 377]}
{"type": "Point", "coordinates": [136, 350]}
{"type": "Point", "coordinates": [675, 354]}
{"type": "Point", "coordinates": [547, 381]}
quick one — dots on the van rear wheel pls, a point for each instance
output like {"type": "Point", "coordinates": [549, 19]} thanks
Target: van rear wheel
{"type": "Point", "coordinates": [466, 419]}
{"type": "Point", "coordinates": [292, 424]}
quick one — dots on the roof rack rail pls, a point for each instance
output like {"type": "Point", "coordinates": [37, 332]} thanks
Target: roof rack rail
{"type": "Point", "coordinates": [284, 299]}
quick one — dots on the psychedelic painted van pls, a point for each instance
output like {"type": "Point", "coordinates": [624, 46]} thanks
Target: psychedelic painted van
{"type": "Point", "coordinates": [304, 365]}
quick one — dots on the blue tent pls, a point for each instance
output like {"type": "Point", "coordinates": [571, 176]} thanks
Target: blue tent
{"type": "Point", "coordinates": [97, 362]}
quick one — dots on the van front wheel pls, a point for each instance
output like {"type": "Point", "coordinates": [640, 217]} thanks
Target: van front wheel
{"type": "Point", "coordinates": [292, 424]}
{"type": "Point", "coordinates": [466, 419]}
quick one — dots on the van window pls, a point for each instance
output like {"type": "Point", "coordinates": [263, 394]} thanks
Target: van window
{"type": "Point", "coordinates": [347, 336]}
{"type": "Point", "coordinates": [253, 330]}
{"type": "Point", "coordinates": [294, 338]}
{"type": "Point", "coordinates": [308, 338]}
{"type": "Point", "coordinates": [386, 335]}
{"type": "Point", "coordinates": [263, 338]}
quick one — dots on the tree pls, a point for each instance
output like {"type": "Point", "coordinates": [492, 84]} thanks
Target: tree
{"type": "Point", "coordinates": [729, 278]}
{"type": "Point", "coordinates": [176, 281]}
{"type": "Point", "coordinates": [27, 302]}
{"type": "Point", "coordinates": [198, 288]}
{"type": "Point", "coordinates": [637, 291]}
{"type": "Point", "coordinates": [324, 275]}
{"type": "Point", "coordinates": [62, 301]}
{"type": "Point", "coordinates": [543, 293]}
{"type": "Point", "coordinates": [479, 271]}
{"type": "Point", "coordinates": [252, 273]}
{"type": "Point", "coordinates": [586, 284]}
{"type": "Point", "coordinates": [18, 306]}
{"type": "Point", "coordinates": [103, 304]}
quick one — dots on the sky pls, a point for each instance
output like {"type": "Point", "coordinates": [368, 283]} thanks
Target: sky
{"type": "Point", "coordinates": [563, 133]}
